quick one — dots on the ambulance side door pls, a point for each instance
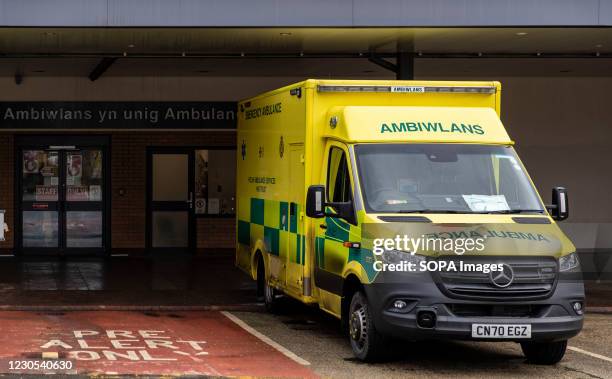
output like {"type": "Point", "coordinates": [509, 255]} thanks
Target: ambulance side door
{"type": "Point", "coordinates": [331, 233]}
{"type": "Point", "coordinates": [296, 240]}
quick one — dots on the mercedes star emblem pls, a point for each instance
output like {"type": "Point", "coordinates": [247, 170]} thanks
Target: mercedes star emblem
{"type": "Point", "coordinates": [503, 278]}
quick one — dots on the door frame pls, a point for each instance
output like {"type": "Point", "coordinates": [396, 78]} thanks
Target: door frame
{"type": "Point", "coordinates": [43, 142]}
{"type": "Point", "coordinates": [192, 219]}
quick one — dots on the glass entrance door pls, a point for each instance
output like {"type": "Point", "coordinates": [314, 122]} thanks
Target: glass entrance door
{"type": "Point", "coordinates": [40, 202]}
{"type": "Point", "coordinates": [83, 201]}
{"type": "Point", "coordinates": [171, 217]}
{"type": "Point", "coordinates": [62, 200]}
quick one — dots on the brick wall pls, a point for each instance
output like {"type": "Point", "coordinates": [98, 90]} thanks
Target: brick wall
{"type": "Point", "coordinates": [128, 175]}
{"type": "Point", "coordinates": [216, 233]}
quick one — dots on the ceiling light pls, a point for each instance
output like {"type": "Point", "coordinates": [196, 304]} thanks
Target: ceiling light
{"type": "Point", "coordinates": [285, 34]}
{"type": "Point", "coordinates": [521, 34]}
{"type": "Point", "coordinates": [599, 45]}
{"type": "Point", "coordinates": [131, 46]}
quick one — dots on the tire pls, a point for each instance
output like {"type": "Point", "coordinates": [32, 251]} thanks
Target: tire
{"type": "Point", "coordinates": [544, 353]}
{"type": "Point", "coordinates": [270, 298]}
{"type": "Point", "coordinates": [265, 292]}
{"type": "Point", "coordinates": [367, 343]}
{"type": "Point", "coordinates": [261, 280]}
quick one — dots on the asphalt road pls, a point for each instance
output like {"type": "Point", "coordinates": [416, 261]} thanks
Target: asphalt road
{"type": "Point", "coordinates": [299, 342]}
{"type": "Point", "coordinates": [315, 337]}
{"type": "Point", "coordinates": [139, 344]}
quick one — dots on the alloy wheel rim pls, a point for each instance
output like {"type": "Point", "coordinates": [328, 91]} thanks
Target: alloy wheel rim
{"type": "Point", "coordinates": [358, 327]}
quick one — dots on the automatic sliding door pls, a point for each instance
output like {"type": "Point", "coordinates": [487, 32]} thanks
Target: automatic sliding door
{"type": "Point", "coordinates": [84, 199]}
{"type": "Point", "coordinates": [62, 201]}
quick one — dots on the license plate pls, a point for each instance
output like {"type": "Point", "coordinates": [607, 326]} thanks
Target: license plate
{"type": "Point", "coordinates": [501, 331]}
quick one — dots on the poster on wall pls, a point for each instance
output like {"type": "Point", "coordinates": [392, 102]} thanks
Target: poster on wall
{"type": "Point", "coordinates": [30, 164]}
{"type": "Point", "coordinates": [49, 171]}
{"type": "Point", "coordinates": [75, 165]}
{"type": "Point", "coordinates": [77, 193]}
{"type": "Point", "coordinates": [95, 193]}
{"type": "Point", "coordinates": [46, 193]}
{"type": "Point", "coordinates": [95, 164]}
{"type": "Point", "coordinates": [213, 206]}
{"type": "Point", "coordinates": [201, 179]}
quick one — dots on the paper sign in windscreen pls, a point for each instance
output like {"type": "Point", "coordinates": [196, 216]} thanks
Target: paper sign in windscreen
{"type": "Point", "coordinates": [486, 203]}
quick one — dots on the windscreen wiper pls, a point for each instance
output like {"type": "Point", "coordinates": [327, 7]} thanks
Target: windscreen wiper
{"type": "Point", "coordinates": [504, 211]}
{"type": "Point", "coordinates": [428, 211]}
{"type": "Point", "coordinates": [513, 211]}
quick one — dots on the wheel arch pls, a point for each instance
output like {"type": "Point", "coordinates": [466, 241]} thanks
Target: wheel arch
{"type": "Point", "coordinates": [257, 252]}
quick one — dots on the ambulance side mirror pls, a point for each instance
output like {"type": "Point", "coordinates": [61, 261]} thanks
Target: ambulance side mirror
{"type": "Point", "coordinates": [559, 209]}
{"type": "Point", "coordinates": [315, 201]}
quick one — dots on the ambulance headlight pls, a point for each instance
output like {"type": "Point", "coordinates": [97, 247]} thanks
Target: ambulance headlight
{"type": "Point", "coordinates": [569, 262]}
{"type": "Point", "coordinates": [398, 256]}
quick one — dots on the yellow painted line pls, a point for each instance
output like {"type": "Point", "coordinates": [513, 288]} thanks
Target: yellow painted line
{"type": "Point", "coordinates": [283, 350]}
{"type": "Point", "coordinates": [594, 355]}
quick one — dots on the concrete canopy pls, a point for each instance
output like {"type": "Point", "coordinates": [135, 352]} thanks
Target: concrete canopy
{"type": "Point", "coordinates": [298, 13]}
{"type": "Point", "coordinates": [307, 41]}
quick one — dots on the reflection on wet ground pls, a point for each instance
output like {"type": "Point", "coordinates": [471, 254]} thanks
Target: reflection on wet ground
{"type": "Point", "coordinates": [156, 280]}
{"type": "Point", "coordinates": [152, 280]}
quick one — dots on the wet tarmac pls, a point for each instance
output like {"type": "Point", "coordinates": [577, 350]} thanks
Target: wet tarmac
{"type": "Point", "coordinates": [206, 279]}
{"type": "Point", "coordinates": [210, 279]}
{"type": "Point", "coordinates": [193, 344]}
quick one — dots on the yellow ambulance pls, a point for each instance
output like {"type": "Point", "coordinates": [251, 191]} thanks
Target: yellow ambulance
{"type": "Point", "coordinates": [402, 208]}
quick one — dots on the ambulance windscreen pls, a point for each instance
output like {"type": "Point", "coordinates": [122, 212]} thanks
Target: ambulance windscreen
{"type": "Point", "coordinates": [444, 178]}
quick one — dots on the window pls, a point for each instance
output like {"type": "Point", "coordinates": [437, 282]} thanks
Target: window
{"type": "Point", "coordinates": [338, 179]}
{"type": "Point", "coordinates": [453, 178]}
{"type": "Point", "coordinates": [215, 182]}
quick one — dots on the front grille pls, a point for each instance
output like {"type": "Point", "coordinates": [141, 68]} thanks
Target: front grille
{"type": "Point", "coordinates": [534, 278]}
{"type": "Point", "coordinates": [497, 310]}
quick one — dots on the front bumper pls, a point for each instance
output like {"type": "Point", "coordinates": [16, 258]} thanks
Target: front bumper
{"type": "Point", "coordinates": [554, 320]}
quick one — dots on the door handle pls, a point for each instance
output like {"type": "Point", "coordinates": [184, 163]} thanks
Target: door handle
{"type": "Point", "coordinates": [322, 226]}
{"type": "Point", "coordinates": [190, 201]}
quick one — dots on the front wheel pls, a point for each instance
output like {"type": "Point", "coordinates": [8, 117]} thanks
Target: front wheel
{"type": "Point", "coordinates": [367, 343]}
{"type": "Point", "coordinates": [544, 353]}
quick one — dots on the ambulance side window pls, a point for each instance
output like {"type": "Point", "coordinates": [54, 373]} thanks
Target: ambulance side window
{"type": "Point", "coordinates": [338, 178]}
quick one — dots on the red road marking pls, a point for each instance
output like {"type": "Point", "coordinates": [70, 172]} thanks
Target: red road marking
{"type": "Point", "coordinates": [197, 343]}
